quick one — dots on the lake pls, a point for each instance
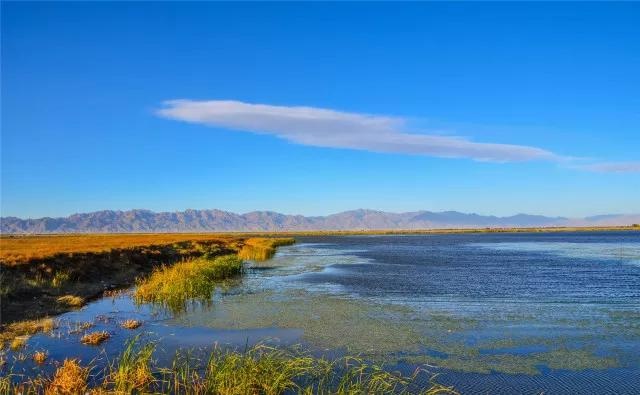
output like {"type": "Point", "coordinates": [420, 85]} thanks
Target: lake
{"type": "Point", "coordinates": [495, 313]}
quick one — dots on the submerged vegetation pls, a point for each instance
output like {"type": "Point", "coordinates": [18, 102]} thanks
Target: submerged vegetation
{"type": "Point", "coordinates": [172, 286]}
{"type": "Point", "coordinates": [258, 370]}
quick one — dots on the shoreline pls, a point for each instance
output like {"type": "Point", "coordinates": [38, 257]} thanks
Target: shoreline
{"type": "Point", "coordinates": [62, 278]}
{"type": "Point", "coordinates": [338, 232]}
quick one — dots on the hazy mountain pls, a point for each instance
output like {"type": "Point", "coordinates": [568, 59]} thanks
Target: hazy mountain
{"type": "Point", "coordinates": [216, 220]}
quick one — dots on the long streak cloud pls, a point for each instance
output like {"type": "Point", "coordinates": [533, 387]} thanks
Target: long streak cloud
{"type": "Point", "coordinates": [336, 129]}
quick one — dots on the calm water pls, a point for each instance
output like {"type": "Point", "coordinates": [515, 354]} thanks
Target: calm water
{"type": "Point", "coordinates": [557, 313]}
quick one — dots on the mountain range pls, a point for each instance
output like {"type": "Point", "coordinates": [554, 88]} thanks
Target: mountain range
{"type": "Point", "coordinates": [109, 221]}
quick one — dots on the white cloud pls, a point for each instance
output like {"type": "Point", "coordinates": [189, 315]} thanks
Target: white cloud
{"type": "Point", "coordinates": [328, 128]}
{"type": "Point", "coordinates": [613, 167]}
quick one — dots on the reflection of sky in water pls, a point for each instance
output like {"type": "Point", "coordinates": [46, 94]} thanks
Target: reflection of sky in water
{"type": "Point", "coordinates": [623, 252]}
{"type": "Point", "coordinates": [291, 264]}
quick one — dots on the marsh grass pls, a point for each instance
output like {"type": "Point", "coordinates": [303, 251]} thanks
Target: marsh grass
{"type": "Point", "coordinates": [95, 338]}
{"type": "Point", "coordinates": [71, 301]}
{"type": "Point", "coordinates": [261, 249]}
{"type": "Point", "coordinates": [173, 286]}
{"type": "Point", "coordinates": [18, 343]}
{"type": "Point", "coordinates": [259, 370]}
{"type": "Point", "coordinates": [26, 328]}
{"type": "Point", "coordinates": [131, 324]}
{"type": "Point", "coordinates": [40, 357]}
{"type": "Point", "coordinates": [133, 370]}
{"type": "Point", "coordinates": [70, 378]}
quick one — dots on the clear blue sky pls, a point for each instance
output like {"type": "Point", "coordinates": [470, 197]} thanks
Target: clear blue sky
{"type": "Point", "coordinates": [417, 94]}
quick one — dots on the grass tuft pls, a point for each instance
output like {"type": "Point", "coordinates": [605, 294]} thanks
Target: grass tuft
{"type": "Point", "coordinates": [133, 370]}
{"type": "Point", "coordinates": [40, 357]}
{"type": "Point", "coordinates": [261, 249]}
{"type": "Point", "coordinates": [71, 301]}
{"type": "Point", "coordinates": [70, 378]}
{"type": "Point", "coordinates": [18, 343]}
{"type": "Point", "coordinates": [131, 324]}
{"type": "Point", "coordinates": [95, 338]}
{"type": "Point", "coordinates": [25, 328]}
{"type": "Point", "coordinates": [173, 286]}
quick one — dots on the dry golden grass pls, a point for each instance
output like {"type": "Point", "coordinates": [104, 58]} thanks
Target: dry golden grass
{"type": "Point", "coordinates": [18, 343]}
{"type": "Point", "coordinates": [21, 249]}
{"type": "Point", "coordinates": [95, 338]}
{"type": "Point", "coordinates": [131, 324]}
{"type": "Point", "coordinates": [71, 301]}
{"type": "Point", "coordinates": [70, 378]}
{"type": "Point", "coordinates": [25, 328]}
{"type": "Point", "coordinates": [39, 357]}
{"type": "Point", "coordinates": [261, 248]}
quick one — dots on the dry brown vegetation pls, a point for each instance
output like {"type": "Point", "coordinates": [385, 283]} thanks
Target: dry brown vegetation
{"type": "Point", "coordinates": [70, 378]}
{"type": "Point", "coordinates": [71, 301]}
{"type": "Point", "coordinates": [131, 324]}
{"type": "Point", "coordinates": [95, 338]}
{"type": "Point", "coordinates": [39, 357]}
{"type": "Point", "coordinates": [15, 250]}
{"type": "Point", "coordinates": [25, 328]}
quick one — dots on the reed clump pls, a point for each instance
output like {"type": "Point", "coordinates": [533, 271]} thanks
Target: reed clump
{"type": "Point", "coordinates": [70, 378]}
{"type": "Point", "coordinates": [18, 343]}
{"type": "Point", "coordinates": [131, 324]}
{"type": "Point", "coordinates": [261, 248]}
{"type": "Point", "coordinates": [95, 338]}
{"type": "Point", "coordinates": [26, 328]}
{"type": "Point", "coordinates": [133, 370]}
{"type": "Point", "coordinates": [40, 357]}
{"type": "Point", "coordinates": [71, 301]}
{"type": "Point", "coordinates": [173, 286]}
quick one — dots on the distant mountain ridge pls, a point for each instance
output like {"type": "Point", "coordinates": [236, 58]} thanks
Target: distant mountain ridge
{"type": "Point", "coordinates": [109, 221]}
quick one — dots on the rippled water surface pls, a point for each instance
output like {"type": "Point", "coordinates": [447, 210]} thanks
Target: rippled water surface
{"type": "Point", "coordinates": [492, 313]}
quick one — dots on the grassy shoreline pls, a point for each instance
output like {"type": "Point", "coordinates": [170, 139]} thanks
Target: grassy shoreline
{"type": "Point", "coordinates": [49, 275]}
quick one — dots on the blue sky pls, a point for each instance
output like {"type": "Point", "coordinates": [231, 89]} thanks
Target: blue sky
{"type": "Point", "coordinates": [316, 108]}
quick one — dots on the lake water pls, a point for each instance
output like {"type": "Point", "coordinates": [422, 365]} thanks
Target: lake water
{"type": "Point", "coordinates": [497, 313]}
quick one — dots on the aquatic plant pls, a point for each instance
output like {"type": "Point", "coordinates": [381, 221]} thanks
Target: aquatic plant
{"type": "Point", "coordinates": [131, 324]}
{"type": "Point", "coordinates": [70, 378]}
{"type": "Point", "coordinates": [39, 357]}
{"type": "Point", "coordinates": [18, 343]}
{"type": "Point", "coordinates": [95, 338]}
{"type": "Point", "coordinates": [173, 286]}
{"type": "Point", "coordinates": [71, 301]}
{"type": "Point", "coordinates": [258, 370]}
{"type": "Point", "coordinates": [133, 369]}
{"type": "Point", "coordinates": [260, 249]}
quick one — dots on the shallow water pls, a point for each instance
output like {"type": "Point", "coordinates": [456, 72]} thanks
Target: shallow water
{"type": "Point", "coordinates": [497, 313]}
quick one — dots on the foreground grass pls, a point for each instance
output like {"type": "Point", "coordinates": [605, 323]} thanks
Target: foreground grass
{"type": "Point", "coordinates": [260, 370]}
{"type": "Point", "coordinates": [172, 286]}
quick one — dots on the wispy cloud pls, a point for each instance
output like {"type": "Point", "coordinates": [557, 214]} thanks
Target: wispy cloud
{"type": "Point", "coordinates": [336, 129]}
{"type": "Point", "coordinates": [613, 167]}
{"type": "Point", "coordinates": [328, 128]}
